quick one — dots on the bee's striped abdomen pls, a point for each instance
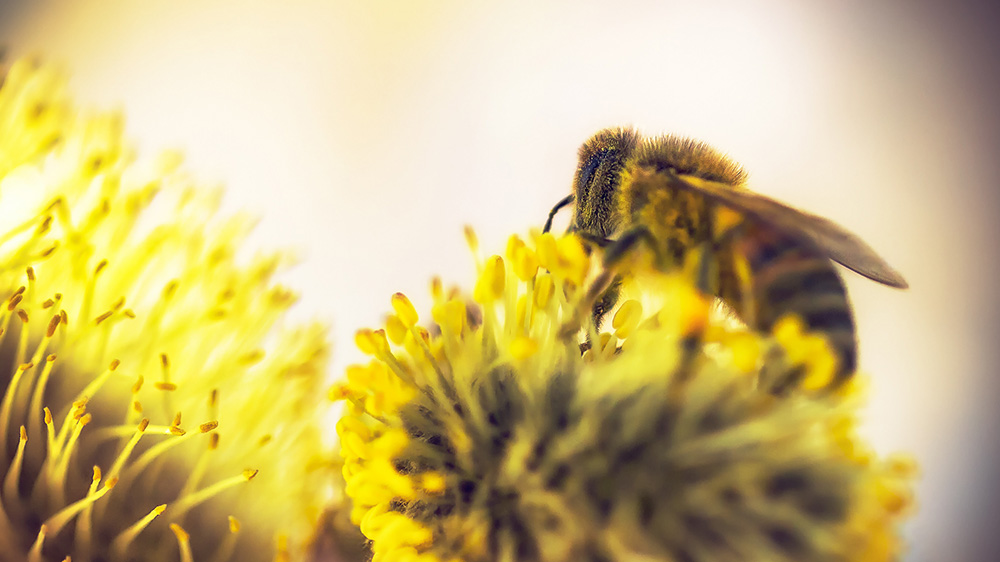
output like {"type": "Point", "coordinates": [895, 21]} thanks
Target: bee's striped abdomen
{"type": "Point", "coordinates": [789, 276]}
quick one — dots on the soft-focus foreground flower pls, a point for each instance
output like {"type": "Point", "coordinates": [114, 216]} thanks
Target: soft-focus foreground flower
{"type": "Point", "coordinates": [151, 410]}
{"type": "Point", "coordinates": [675, 437]}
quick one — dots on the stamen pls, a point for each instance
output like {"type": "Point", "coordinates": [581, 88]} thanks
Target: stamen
{"type": "Point", "coordinates": [149, 455]}
{"type": "Point", "coordinates": [11, 482]}
{"type": "Point", "coordinates": [404, 309]}
{"type": "Point", "coordinates": [523, 347]}
{"type": "Point", "coordinates": [8, 400]}
{"type": "Point", "coordinates": [196, 473]}
{"type": "Point", "coordinates": [374, 342]}
{"type": "Point", "coordinates": [53, 324]}
{"type": "Point", "coordinates": [186, 503]}
{"type": "Point", "coordinates": [36, 397]}
{"type": "Point", "coordinates": [14, 300]}
{"type": "Point", "coordinates": [50, 429]}
{"type": "Point", "coordinates": [183, 541]}
{"type": "Point", "coordinates": [396, 329]}
{"type": "Point", "coordinates": [225, 550]}
{"type": "Point", "coordinates": [119, 546]}
{"type": "Point", "coordinates": [544, 288]}
{"type": "Point", "coordinates": [471, 239]}
{"type": "Point", "coordinates": [81, 535]}
{"type": "Point", "coordinates": [627, 318]}
{"type": "Point", "coordinates": [35, 554]}
{"type": "Point", "coordinates": [127, 450]}
{"type": "Point", "coordinates": [63, 516]}
{"type": "Point", "coordinates": [491, 283]}
{"type": "Point", "coordinates": [58, 472]}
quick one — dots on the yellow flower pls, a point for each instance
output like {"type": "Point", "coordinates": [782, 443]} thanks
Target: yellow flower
{"type": "Point", "coordinates": [675, 436]}
{"type": "Point", "coordinates": [151, 410]}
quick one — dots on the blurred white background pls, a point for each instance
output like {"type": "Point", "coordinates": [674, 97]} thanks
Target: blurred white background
{"type": "Point", "coordinates": [366, 133]}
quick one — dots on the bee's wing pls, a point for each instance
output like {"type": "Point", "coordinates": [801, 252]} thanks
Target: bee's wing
{"type": "Point", "coordinates": [832, 239]}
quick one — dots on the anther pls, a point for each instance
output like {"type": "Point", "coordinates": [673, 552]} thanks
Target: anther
{"type": "Point", "coordinates": [404, 308]}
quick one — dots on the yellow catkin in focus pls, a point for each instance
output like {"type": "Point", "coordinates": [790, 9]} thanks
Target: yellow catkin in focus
{"type": "Point", "coordinates": [504, 429]}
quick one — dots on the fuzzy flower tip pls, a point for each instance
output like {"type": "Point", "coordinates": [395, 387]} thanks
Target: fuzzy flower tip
{"type": "Point", "coordinates": [675, 435]}
{"type": "Point", "coordinates": [150, 409]}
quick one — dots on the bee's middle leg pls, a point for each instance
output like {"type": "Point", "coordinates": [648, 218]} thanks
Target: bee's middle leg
{"type": "Point", "coordinates": [608, 293]}
{"type": "Point", "coordinates": [617, 250]}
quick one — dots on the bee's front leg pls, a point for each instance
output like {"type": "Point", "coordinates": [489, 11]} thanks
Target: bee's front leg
{"type": "Point", "coordinates": [552, 214]}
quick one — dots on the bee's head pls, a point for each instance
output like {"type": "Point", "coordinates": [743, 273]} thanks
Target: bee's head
{"type": "Point", "coordinates": [598, 176]}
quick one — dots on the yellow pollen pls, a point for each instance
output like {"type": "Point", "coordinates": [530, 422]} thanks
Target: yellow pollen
{"type": "Point", "coordinates": [234, 525]}
{"type": "Point", "coordinates": [208, 426]}
{"type": "Point", "coordinates": [138, 385]}
{"type": "Point", "coordinates": [166, 386]}
{"type": "Point", "coordinates": [23, 315]}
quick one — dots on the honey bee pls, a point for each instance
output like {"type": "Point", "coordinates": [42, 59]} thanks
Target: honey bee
{"type": "Point", "coordinates": [762, 258]}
